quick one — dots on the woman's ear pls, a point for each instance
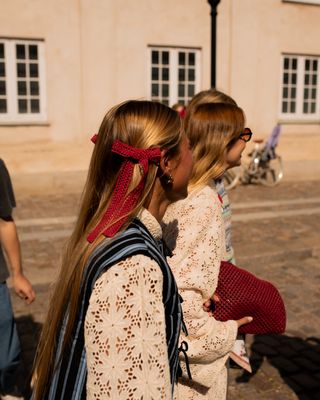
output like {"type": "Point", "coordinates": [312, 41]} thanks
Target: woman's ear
{"type": "Point", "coordinates": [166, 166]}
{"type": "Point", "coordinates": [163, 162]}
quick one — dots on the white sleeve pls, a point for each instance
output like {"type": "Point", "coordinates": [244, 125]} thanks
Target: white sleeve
{"type": "Point", "coordinates": [125, 333]}
{"type": "Point", "coordinates": [194, 230]}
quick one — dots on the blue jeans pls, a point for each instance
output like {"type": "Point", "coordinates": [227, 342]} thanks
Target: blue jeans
{"type": "Point", "coordinates": [9, 342]}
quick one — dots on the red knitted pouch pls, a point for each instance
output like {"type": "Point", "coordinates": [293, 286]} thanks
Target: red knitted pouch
{"type": "Point", "coordinates": [243, 294]}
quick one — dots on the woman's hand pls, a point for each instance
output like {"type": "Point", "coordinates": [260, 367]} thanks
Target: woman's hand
{"type": "Point", "coordinates": [209, 305]}
{"type": "Point", "coordinates": [243, 321]}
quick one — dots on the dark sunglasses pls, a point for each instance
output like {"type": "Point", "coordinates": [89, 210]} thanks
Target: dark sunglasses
{"type": "Point", "coordinates": [246, 135]}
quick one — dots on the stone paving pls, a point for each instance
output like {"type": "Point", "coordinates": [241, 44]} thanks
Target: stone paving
{"type": "Point", "coordinates": [275, 235]}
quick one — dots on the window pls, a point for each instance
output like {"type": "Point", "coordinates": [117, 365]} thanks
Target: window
{"type": "Point", "coordinates": [174, 74]}
{"type": "Point", "coordinates": [22, 83]}
{"type": "Point", "coordinates": [300, 87]}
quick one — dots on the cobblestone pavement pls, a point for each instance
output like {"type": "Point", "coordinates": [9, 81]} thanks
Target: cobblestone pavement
{"type": "Point", "coordinates": [275, 235]}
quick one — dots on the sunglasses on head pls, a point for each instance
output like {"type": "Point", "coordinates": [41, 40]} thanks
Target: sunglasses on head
{"type": "Point", "coordinates": [246, 135]}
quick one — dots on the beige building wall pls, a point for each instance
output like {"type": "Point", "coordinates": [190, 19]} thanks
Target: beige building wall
{"type": "Point", "coordinates": [252, 36]}
{"type": "Point", "coordinates": [115, 40]}
{"type": "Point", "coordinates": [96, 55]}
{"type": "Point", "coordinates": [57, 22]}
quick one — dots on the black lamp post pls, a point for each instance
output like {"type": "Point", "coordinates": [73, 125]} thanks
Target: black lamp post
{"type": "Point", "coordinates": [214, 5]}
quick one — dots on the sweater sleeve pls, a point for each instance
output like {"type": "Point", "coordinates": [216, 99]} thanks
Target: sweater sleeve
{"type": "Point", "coordinates": [125, 335]}
{"type": "Point", "coordinates": [194, 230]}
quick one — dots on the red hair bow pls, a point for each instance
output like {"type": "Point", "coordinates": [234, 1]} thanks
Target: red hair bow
{"type": "Point", "coordinates": [121, 203]}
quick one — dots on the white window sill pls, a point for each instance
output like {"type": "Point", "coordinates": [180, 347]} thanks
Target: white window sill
{"type": "Point", "coordinates": [26, 123]}
{"type": "Point", "coordinates": [299, 122]}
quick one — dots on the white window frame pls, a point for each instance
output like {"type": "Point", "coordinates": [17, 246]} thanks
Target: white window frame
{"type": "Point", "coordinates": [173, 70]}
{"type": "Point", "coordinates": [299, 115]}
{"type": "Point", "coordinates": [12, 116]}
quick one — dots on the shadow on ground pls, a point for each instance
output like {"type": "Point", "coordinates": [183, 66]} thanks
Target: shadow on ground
{"type": "Point", "coordinates": [29, 332]}
{"type": "Point", "coordinates": [297, 360]}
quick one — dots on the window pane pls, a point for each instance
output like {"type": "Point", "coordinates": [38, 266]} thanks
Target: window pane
{"type": "Point", "coordinates": [182, 58]}
{"type": "Point", "coordinates": [20, 52]}
{"type": "Point", "coordinates": [313, 108]}
{"type": "Point", "coordinates": [307, 65]}
{"type": "Point", "coordinates": [155, 89]}
{"type": "Point", "coordinates": [21, 70]}
{"type": "Point", "coordinates": [155, 57]}
{"type": "Point", "coordinates": [293, 92]}
{"type": "Point", "coordinates": [181, 90]}
{"type": "Point", "coordinates": [191, 58]}
{"type": "Point", "coordinates": [285, 92]}
{"type": "Point", "coordinates": [33, 69]}
{"type": "Point", "coordinates": [165, 57]}
{"type": "Point", "coordinates": [2, 69]}
{"type": "Point", "coordinates": [22, 106]}
{"type": "Point", "coordinates": [285, 78]}
{"type": "Point", "coordinates": [191, 75]}
{"type": "Point", "coordinates": [3, 106]}
{"type": "Point", "coordinates": [35, 106]}
{"type": "Point", "coordinates": [3, 87]}
{"type": "Point", "coordinates": [313, 93]}
{"type": "Point", "coordinates": [34, 88]}
{"type": "Point", "coordinates": [165, 90]}
{"type": "Point", "coordinates": [306, 79]}
{"type": "Point", "coordinates": [292, 107]}
{"type": "Point", "coordinates": [22, 88]}
{"type": "Point", "coordinates": [286, 63]}
{"type": "Point", "coordinates": [314, 79]}
{"type": "Point", "coordinates": [165, 74]}
{"type": "Point", "coordinates": [33, 52]}
{"type": "Point", "coordinates": [315, 65]}
{"type": "Point", "coordinates": [284, 106]}
{"type": "Point", "coordinates": [306, 94]}
{"type": "Point", "coordinates": [305, 108]}
{"type": "Point", "coordinates": [155, 74]}
{"type": "Point", "coordinates": [190, 90]}
{"type": "Point", "coordinates": [294, 63]}
{"type": "Point", "coordinates": [1, 50]}
{"type": "Point", "coordinates": [294, 79]}
{"type": "Point", "coordinates": [182, 74]}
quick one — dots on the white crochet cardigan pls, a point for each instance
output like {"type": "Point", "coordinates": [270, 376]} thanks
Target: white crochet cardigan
{"type": "Point", "coordinates": [125, 331]}
{"type": "Point", "coordinates": [193, 229]}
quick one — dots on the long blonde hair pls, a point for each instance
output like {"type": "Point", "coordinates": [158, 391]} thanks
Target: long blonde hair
{"type": "Point", "coordinates": [141, 124]}
{"type": "Point", "coordinates": [213, 122]}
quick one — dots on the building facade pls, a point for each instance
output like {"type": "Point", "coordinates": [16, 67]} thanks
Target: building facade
{"type": "Point", "coordinates": [64, 63]}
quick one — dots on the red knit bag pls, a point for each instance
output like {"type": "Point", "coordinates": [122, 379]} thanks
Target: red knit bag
{"type": "Point", "coordinates": [242, 294]}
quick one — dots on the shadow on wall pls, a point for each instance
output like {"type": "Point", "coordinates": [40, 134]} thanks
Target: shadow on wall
{"type": "Point", "coordinates": [297, 360]}
{"type": "Point", "coordinates": [29, 333]}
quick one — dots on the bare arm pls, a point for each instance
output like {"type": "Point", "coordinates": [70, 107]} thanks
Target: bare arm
{"type": "Point", "coordinates": [11, 245]}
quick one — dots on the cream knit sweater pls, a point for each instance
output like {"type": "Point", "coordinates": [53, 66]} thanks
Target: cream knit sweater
{"type": "Point", "coordinates": [125, 331]}
{"type": "Point", "coordinates": [193, 229]}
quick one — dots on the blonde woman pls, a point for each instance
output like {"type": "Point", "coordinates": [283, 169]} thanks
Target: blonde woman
{"type": "Point", "coordinates": [194, 231]}
{"type": "Point", "coordinates": [114, 321]}
{"type": "Point", "coordinates": [215, 96]}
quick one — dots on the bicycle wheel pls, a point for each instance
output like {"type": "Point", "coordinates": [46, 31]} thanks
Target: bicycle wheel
{"type": "Point", "coordinates": [271, 172]}
{"type": "Point", "coordinates": [231, 178]}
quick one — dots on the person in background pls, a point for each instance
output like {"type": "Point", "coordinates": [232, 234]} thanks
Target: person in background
{"type": "Point", "coordinates": [9, 244]}
{"type": "Point", "coordinates": [180, 108]}
{"type": "Point", "coordinates": [115, 318]}
{"type": "Point", "coordinates": [194, 232]}
{"type": "Point", "coordinates": [216, 96]}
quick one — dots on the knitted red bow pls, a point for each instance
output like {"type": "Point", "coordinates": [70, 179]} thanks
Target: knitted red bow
{"type": "Point", "coordinates": [120, 204]}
